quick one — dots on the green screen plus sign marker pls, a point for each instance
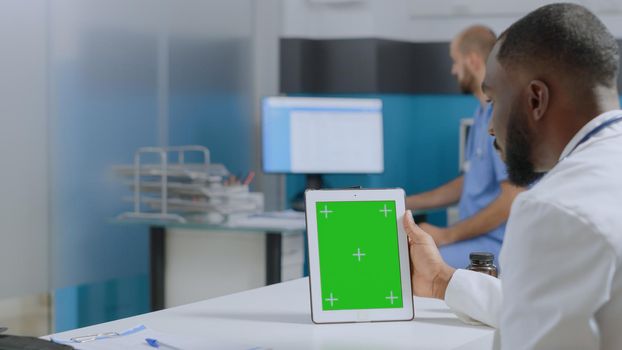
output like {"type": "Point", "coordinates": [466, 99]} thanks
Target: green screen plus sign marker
{"type": "Point", "coordinates": [359, 259]}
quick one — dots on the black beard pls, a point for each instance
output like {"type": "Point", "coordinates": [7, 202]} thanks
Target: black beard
{"type": "Point", "coordinates": [518, 151]}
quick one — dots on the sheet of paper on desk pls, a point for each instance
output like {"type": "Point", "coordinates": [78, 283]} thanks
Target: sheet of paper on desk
{"type": "Point", "coordinates": [136, 340]}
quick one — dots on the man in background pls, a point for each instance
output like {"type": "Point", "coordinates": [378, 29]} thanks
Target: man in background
{"type": "Point", "coordinates": [483, 194]}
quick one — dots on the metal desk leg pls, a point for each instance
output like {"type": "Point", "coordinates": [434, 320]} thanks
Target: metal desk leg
{"type": "Point", "coordinates": [273, 257]}
{"type": "Point", "coordinates": [157, 235]}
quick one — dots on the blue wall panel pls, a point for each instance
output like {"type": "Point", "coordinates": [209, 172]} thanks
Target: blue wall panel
{"type": "Point", "coordinates": [221, 123]}
{"type": "Point", "coordinates": [115, 77]}
{"type": "Point", "coordinates": [100, 302]}
{"type": "Point", "coordinates": [91, 131]}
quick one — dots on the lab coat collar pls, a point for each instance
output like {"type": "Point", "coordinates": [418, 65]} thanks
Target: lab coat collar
{"type": "Point", "coordinates": [591, 125]}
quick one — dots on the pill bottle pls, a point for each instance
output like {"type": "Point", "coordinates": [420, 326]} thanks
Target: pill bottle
{"type": "Point", "coordinates": [482, 262]}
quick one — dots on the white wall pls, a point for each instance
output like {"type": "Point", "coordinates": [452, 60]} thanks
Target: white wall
{"type": "Point", "coordinates": [416, 20]}
{"type": "Point", "coordinates": [23, 148]}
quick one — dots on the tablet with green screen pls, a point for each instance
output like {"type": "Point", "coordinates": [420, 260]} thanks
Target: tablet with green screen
{"type": "Point", "coordinates": [358, 256]}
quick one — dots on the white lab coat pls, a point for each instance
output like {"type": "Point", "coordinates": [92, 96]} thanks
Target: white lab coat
{"type": "Point", "coordinates": [561, 272]}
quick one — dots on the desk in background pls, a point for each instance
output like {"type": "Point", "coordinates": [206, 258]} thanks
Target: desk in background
{"type": "Point", "coordinates": [278, 317]}
{"type": "Point", "coordinates": [159, 230]}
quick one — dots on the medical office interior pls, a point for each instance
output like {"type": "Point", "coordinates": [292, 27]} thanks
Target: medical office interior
{"type": "Point", "coordinates": [140, 171]}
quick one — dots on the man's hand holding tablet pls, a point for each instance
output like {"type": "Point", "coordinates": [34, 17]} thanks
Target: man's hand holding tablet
{"type": "Point", "coordinates": [430, 274]}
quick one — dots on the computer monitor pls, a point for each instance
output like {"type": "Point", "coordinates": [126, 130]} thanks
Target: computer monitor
{"type": "Point", "coordinates": [465, 128]}
{"type": "Point", "coordinates": [310, 135]}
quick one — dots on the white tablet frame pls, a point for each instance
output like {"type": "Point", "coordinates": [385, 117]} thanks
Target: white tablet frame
{"type": "Point", "coordinates": [406, 313]}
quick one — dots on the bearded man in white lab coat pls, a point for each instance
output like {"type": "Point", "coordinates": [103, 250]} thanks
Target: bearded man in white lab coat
{"type": "Point", "coordinates": [557, 120]}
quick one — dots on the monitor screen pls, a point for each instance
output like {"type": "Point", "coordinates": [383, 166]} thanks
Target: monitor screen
{"type": "Point", "coordinates": [465, 128]}
{"type": "Point", "coordinates": [309, 135]}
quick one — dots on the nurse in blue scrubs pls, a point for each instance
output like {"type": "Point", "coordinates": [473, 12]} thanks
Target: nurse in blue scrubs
{"type": "Point", "coordinates": [483, 194]}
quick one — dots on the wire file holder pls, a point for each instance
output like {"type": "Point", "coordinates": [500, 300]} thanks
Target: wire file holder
{"type": "Point", "coordinates": [164, 169]}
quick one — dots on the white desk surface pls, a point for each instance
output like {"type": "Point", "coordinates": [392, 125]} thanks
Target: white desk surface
{"type": "Point", "coordinates": [278, 317]}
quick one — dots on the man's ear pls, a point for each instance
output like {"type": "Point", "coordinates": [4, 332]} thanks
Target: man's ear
{"type": "Point", "coordinates": [474, 62]}
{"type": "Point", "coordinates": [537, 99]}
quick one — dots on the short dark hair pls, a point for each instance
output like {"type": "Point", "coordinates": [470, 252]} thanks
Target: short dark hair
{"type": "Point", "coordinates": [563, 36]}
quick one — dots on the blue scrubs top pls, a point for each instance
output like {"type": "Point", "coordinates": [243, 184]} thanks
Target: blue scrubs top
{"type": "Point", "coordinates": [481, 186]}
{"type": "Point", "coordinates": [485, 172]}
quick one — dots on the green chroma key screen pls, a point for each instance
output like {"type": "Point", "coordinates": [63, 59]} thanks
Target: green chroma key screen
{"type": "Point", "coordinates": [359, 255]}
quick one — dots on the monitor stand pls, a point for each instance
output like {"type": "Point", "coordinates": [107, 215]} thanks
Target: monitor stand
{"type": "Point", "coordinates": [314, 182]}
